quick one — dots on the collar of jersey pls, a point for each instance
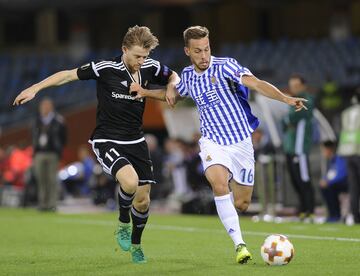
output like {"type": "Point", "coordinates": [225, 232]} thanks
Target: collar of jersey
{"type": "Point", "coordinates": [203, 72]}
{"type": "Point", "coordinates": [128, 71]}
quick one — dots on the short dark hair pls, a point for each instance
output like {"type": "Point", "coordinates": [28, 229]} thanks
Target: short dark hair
{"type": "Point", "coordinates": [299, 77]}
{"type": "Point", "coordinates": [140, 36]}
{"type": "Point", "coordinates": [195, 32]}
{"type": "Point", "coordinates": [329, 144]}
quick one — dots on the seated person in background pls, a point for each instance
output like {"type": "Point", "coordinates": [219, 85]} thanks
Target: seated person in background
{"type": "Point", "coordinates": [76, 176]}
{"type": "Point", "coordinates": [103, 188]}
{"type": "Point", "coordinates": [334, 181]}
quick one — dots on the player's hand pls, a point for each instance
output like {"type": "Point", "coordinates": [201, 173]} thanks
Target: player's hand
{"type": "Point", "coordinates": [25, 96]}
{"type": "Point", "coordinates": [298, 103]}
{"type": "Point", "coordinates": [136, 89]}
{"type": "Point", "coordinates": [170, 95]}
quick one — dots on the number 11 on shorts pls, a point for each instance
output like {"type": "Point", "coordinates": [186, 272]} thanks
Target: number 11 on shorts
{"type": "Point", "coordinates": [112, 151]}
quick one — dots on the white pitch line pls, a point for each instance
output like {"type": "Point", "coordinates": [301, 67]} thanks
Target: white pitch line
{"type": "Point", "coordinates": [206, 230]}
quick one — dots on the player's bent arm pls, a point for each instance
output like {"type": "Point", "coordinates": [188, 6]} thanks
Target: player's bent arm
{"type": "Point", "coordinates": [172, 95]}
{"type": "Point", "coordinates": [173, 79]}
{"type": "Point", "coordinates": [56, 79]}
{"type": "Point", "coordinates": [270, 91]}
{"type": "Point", "coordinates": [157, 94]}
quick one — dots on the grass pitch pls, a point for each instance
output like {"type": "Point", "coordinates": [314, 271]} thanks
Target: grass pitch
{"type": "Point", "coordinates": [33, 243]}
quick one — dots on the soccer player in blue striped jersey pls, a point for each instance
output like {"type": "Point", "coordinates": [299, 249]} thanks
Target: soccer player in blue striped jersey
{"type": "Point", "coordinates": [220, 89]}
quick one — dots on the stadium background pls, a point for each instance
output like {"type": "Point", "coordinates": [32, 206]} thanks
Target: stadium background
{"type": "Point", "coordinates": [274, 38]}
{"type": "Point", "coordinates": [319, 39]}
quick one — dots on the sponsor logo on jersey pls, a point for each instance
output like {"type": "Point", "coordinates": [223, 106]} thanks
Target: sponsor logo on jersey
{"type": "Point", "coordinates": [207, 99]}
{"type": "Point", "coordinates": [125, 97]}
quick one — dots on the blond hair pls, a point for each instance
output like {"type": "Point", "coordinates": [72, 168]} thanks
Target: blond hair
{"type": "Point", "coordinates": [140, 36]}
{"type": "Point", "coordinates": [195, 32]}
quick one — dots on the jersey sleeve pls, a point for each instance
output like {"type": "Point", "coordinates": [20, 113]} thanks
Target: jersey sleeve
{"type": "Point", "coordinates": [88, 71]}
{"type": "Point", "coordinates": [161, 73]}
{"type": "Point", "coordinates": [234, 71]}
{"type": "Point", "coordinates": [181, 87]}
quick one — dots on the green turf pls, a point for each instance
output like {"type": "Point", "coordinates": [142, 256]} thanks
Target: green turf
{"type": "Point", "coordinates": [33, 243]}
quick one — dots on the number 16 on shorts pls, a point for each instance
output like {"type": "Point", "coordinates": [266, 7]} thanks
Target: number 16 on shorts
{"type": "Point", "coordinates": [246, 176]}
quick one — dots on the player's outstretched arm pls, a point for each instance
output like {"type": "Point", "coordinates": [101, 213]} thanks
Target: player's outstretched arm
{"type": "Point", "coordinates": [56, 79]}
{"type": "Point", "coordinates": [272, 92]}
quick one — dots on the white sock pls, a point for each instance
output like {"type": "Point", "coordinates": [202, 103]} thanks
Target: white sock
{"type": "Point", "coordinates": [229, 218]}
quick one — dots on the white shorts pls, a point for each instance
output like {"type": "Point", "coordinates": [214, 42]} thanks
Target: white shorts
{"type": "Point", "coordinates": [237, 158]}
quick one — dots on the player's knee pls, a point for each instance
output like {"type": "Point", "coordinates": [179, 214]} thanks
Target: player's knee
{"type": "Point", "coordinates": [130, 184]}
{"type": "Point", "coordinates": [220, 189]}
{"type": "Point", "coordinates": [142, 204]}
{"type": "Point", "coordinates": [242, 205]}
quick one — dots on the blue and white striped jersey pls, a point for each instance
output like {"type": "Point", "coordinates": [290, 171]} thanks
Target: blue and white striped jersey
{"type": "Point", "coordinates": [221, 99]}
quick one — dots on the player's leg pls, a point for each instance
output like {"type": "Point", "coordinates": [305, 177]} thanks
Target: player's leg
{"type": "Point", "coordinates": [218, 176]}
{"type": "Point", "coordinates": [112, 157]}
{"type": "Point", "coordinates": [139, 216]}
{"type": "Point", "coordinates": [128, 181]}
{"type": "Point", "coordinates": [242, 195]}
{"type": "Point", "coordinates": [139, 156]}
{"type": "Point", "coordinates": [241, 200]}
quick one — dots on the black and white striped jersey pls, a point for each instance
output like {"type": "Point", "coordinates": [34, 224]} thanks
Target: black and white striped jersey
{"type": "Point", "coordinates": [119, 115]}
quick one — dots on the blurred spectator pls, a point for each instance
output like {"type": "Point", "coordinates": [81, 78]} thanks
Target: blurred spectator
{"type": "Point", "coordinates": [199, 198]}
{"type": "Point", "coordinates": [261, 142]}
{"type": "Point", "coordinates": [76, 176]}
{"type": "Point", "coordinates": [160, 189]}
{"type": "Point", "coordinates": [49, 137]}
{"type": "Point", "coordinates": [265, 171]}
{"type": "Point", "coordinates": [88, 163]}
{"type": "Point", "coordinates": [330, 102]}
{"type": "Point", "coordinates": [103, 188]}
{"type": "Point", "coordinates": [195, 171]}
{"type": "Point", "coordinates": [16, 163]}
{"type": "Point", "coordinates": [4, 165]}
{"type": "Point", "coordinates": [333, 182]}
{"type": "Point", "coordinates": [297, 145]}
{"type": "Point", "coordinates": [349, 147]}
{"type": "Point", "coordinates": [175, 166]}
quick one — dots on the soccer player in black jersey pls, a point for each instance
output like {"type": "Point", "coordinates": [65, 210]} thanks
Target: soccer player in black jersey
{"type": "Point", "coordinates": [118, 140]}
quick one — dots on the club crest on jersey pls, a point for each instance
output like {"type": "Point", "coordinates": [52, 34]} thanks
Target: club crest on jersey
{"type": "Point", "coordinates": [213, 80]}
{"type": "Point", "coordinates": [208, 158]}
